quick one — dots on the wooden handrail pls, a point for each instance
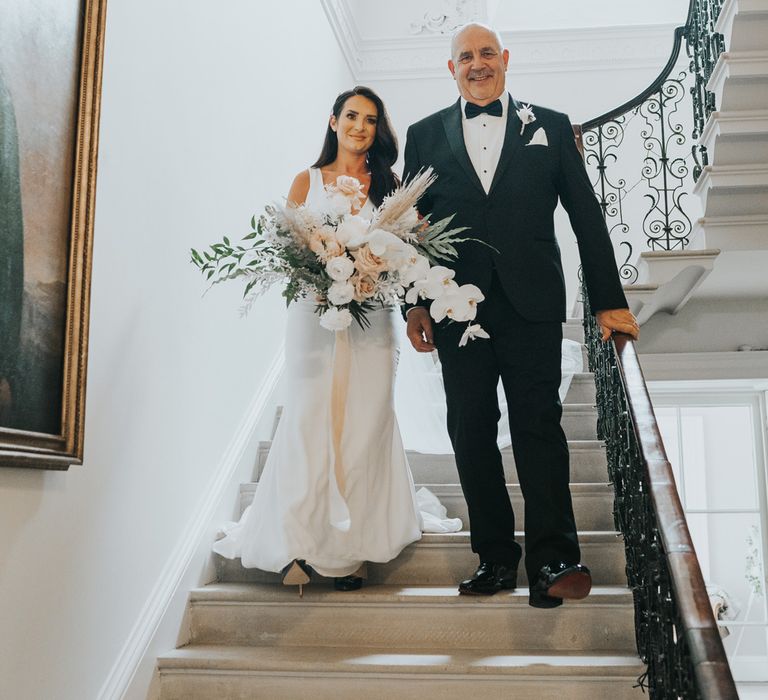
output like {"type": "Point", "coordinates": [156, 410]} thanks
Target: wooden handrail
{"type": "Point", "coordinates": [713, 674]}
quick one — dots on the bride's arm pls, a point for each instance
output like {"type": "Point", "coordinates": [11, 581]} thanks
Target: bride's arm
{"type": "Point", "coordinates": [299, 189]}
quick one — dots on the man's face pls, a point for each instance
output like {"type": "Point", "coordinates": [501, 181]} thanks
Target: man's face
{"type": "Point", "coordinates": [478, 65]}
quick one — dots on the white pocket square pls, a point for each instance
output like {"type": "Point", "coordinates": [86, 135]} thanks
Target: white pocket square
{"type": "Point", "coordinates": [539, 138]}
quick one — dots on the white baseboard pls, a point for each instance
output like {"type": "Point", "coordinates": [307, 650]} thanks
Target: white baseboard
{"type": "Point", "coordinates": [189, 564]}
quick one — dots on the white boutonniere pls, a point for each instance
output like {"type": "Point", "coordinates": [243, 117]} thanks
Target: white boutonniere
{"type": "Point", "coordinates": [539, 138]}
{"type": "Point", "coordinates": [526, 115]}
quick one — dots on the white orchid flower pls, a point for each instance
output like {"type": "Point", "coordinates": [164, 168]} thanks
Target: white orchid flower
{"type": "Point", "coordinates": [385, 245]}
{"type": "Point", "coordinates": [340, 293]}
{"type": "Point", "coordinates": [439, 280]}
{"type": "Point", "coordinates": [413, 267]}
{"type": "Point", "coordinates": [448, 305]}
{"type": "Point", "coordinates": [336, 319]}
{"type": "Point", "coordinates": [340, 268]}
{"type": "Point", "coordinates": [458, 304]}
{"type": "Point", "coordinates": [472, 331]}
{"type": "Point", "coordinates": [418, 291]}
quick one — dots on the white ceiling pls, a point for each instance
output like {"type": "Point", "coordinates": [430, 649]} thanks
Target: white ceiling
{"type": "Point", "coordinates": [403, 39]}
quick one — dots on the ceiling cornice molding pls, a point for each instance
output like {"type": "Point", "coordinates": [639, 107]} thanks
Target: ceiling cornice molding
{"type": "Point", "coordinates": [450, 15]}
{"type": "Point", "coordinates": [534, 52]}
{"type": "Point", "coordinates": [345, 31]}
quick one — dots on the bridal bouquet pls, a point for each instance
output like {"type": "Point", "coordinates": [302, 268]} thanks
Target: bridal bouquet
{"type": "Point", "coordinates": [348, 263]}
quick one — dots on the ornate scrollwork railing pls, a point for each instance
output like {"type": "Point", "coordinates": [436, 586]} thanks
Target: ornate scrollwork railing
{"type": "Point", "coordinates": [670, 151]}
{"type": "Point", "coordinates": [676, 633]}
{"type": "Point", "coordinates": [703, 46]}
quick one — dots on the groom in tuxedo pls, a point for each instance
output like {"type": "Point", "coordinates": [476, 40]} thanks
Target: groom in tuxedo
{"type": "Point", "coordinates": [501, 167]}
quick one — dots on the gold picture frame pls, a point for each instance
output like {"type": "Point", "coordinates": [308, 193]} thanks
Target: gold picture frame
{"type": "Point", "coordinates": [21, 447]}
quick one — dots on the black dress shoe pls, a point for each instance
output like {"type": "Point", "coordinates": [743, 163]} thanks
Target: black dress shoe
{"type": "Point", "coordinates": [348, 583]}
{"type": "Point", "coordinates": [490, 578]}
{"type": "Point", "coordinates": [557, 581]}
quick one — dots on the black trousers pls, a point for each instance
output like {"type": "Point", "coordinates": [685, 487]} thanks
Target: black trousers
{"type": "Point", "coordinates": [527, 358]}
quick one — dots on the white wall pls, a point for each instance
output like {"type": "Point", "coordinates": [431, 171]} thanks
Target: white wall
{"type": "Point", "coordinates": [739, 322]}
{"type": "Point", "coordinates": [209, 109]}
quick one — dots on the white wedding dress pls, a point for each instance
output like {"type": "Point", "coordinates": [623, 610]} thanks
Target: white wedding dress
{"type": "Point", "coordinates": [336, 489]}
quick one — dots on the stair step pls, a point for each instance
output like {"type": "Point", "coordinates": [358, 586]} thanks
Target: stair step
{"type": "Point", "coordinates": [728, 233]}
{"type": "Point", "coordinates": [418, 617]}
{"type": "Point", "coordinates": [736, 138]}
{"type": "Point", "coordinates": [588, 464]}
{"type": "Point", "coordinates": [573, 329]}
{"type": "Point", "coordinates": [743, 24]}
{"type": "Point", "coordinates": [446, 559]}
{"type": "Point", "coordinates": [202, 672]}
{"type": "Point", "coordinates": [592, 503]}
{"type": "Point", "coordinates": [733, 190]}
{"type": "Point", "coordinates": [581, 390]}
{"type": "Point", "coordinates": [740, 80]}
{"type": "Point", "coordinates": [579, 423]}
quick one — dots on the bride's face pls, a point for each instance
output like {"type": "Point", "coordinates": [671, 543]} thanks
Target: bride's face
{"type": "Point", "coordinates": [356, 126]}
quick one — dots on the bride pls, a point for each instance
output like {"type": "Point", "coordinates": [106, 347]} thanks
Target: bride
{"type": "Point", "coordinates": [336, 490]}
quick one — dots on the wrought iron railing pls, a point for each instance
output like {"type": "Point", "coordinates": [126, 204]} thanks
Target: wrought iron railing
{"type": "Point", "coordinates": [676, 633]}
{"type": "Point", "coordinates": [671, 158]}
{"type": "Point", "coordinates": [703, 45]}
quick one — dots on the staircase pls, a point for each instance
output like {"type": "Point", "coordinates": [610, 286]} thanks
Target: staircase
{"type": "Point", "coordinates": [407, 633]}
{"type": "Point", "coordinates": [728, 251]}
{"type": "Point", "coordinates": [734, 186]}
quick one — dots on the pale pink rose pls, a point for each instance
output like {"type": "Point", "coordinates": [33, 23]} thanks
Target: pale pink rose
{"type": "Point", "coordinates": [366, 263]}
{"type": "Point", "coordinates": [323, 243]}
{"type": "Point", "coordinates": [349, 186]}
{"type": "Point", "coordinates": [365, 287]}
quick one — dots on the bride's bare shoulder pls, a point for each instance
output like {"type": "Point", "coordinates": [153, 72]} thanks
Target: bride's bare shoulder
{"type": "Point", "coordinates": [299, 189]}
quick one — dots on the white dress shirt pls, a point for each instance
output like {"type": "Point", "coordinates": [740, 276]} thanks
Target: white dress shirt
{"type": "Point", "coordinates": [483, 139]}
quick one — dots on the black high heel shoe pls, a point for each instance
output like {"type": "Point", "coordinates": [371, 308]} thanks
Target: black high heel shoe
{"type": "Point", "coordinates": [297, 573]}
{"type": "Point", "coordinates": [353, 582]}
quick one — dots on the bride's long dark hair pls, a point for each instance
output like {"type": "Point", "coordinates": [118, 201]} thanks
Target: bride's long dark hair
{"type": "Point", "coordinates": [382, 154]}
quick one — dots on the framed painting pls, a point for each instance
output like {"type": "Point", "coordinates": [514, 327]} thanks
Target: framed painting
{"type": "Point", "coordinates": [50, 86]}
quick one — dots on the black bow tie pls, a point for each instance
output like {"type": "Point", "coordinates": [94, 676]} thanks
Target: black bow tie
{"type": "Point", "coordinates": [494, 109]}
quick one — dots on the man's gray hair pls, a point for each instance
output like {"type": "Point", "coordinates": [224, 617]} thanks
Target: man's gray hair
{"type": "Point", "coordinates": [469, 25]}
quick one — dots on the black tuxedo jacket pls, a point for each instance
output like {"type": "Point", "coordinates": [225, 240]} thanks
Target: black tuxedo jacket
{"type": "Point", "coordinates": [516, 216]}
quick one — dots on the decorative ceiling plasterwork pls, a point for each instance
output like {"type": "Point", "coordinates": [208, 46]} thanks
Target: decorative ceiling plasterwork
{"type": "Point", "coordinates": [447, 15]}
{"type": "Point", "coordinates": [424, 55]}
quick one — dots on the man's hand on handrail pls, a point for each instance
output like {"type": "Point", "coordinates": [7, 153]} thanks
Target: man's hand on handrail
{"type": "Point", "coordinates": [622, 320]}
